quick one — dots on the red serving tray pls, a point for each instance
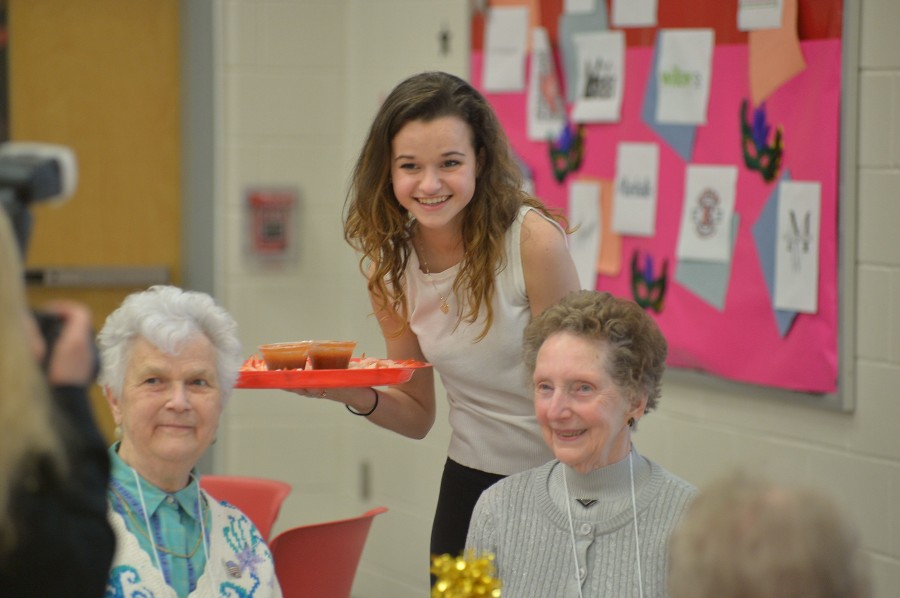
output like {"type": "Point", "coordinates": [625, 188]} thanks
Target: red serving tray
{"type": "Point", "coordinates": [370, 376]}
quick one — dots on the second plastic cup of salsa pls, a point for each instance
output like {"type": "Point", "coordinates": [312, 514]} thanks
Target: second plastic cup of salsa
{"type": "Point", "coordinates": [330, 355]}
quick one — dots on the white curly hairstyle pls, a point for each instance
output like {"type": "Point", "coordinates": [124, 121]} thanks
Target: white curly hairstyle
{"type": "Point", "coordinates": [167, 317]}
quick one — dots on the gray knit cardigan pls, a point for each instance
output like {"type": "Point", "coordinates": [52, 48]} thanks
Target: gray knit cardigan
{"type": "Point", "coordinates": [517, 521]}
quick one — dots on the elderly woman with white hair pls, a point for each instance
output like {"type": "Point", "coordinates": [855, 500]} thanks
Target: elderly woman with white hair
{"type": "Point", "coordinates": [170, 358]}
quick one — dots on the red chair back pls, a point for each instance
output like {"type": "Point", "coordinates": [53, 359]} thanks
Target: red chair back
{"type": "Point", "coordinates": [259, 498]}
{"type": "Point", "coordinates": [320, 560]}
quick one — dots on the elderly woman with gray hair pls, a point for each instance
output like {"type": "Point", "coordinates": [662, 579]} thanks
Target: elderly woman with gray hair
{"type": "Point", "coordinates": [594, 521]}
{"type": "Point", "coordinates": [170, 359]}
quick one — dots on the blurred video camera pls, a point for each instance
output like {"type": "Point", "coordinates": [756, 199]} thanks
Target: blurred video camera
{"type": "Point", "coordinates": [31, 173]}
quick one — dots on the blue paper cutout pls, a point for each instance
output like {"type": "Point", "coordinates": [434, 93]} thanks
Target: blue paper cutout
{"type": "Point", "coordinates": [709, 280]}
{"type": "Point", "coordinates": [765, 235]}
{"type": "Point", "coordinates": [679, 137]}
{"type": "Point", "coordinates": [569, 25]}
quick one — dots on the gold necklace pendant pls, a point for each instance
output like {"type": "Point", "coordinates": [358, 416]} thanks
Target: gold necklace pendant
{"type": "Point", "coordinates": [445, 307]}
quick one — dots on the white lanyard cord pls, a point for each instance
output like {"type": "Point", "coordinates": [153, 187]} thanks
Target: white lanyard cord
{"type": "Point", "coordinates": [203, 540]}
{"type": "Point", "coordinates": [637, 541]}
{"type": "Point", "coordinates": [137, 482]}
{"type": "Point", "coordinates": [572, 533]}
{"type": "Point", "coordinates": [208, 567]}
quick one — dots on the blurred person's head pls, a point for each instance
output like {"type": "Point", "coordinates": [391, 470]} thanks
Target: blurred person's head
{"type": "Point", "coordinates": [25, 408]}
{"type": "Point", "coordinates": [748, 537]}
{"type": "Point", "coordinates": [170, 359]}
{"type": "Point", "coordinates": [597, 363]}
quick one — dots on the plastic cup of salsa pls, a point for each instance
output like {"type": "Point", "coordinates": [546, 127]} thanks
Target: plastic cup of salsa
{"type": "Point", "coordinates": [285, 356]}
{"type": "Point", "coordinates": [330, 355]}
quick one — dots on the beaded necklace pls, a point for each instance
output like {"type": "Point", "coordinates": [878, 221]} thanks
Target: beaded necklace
{"type": "Point", "coordinates": [138, 525]}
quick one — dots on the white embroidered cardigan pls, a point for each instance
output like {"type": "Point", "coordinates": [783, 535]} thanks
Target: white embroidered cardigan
{"type": "Point", "coordinates": [239, 564]}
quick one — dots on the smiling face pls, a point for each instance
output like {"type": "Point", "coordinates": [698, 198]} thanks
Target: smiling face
{"type": "Point", "coordinates": [582, 413]}
{"type": "Point", "coordinates": [433, 170]}
{"type": "Point", "coordinates": [168, 410]}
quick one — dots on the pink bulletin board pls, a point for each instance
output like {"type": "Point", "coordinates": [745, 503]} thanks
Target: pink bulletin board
{"type": "Point", "coordinates": [738, 336]}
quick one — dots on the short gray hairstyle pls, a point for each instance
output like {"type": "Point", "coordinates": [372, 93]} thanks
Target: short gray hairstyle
{"type": "Point", "coordinates": [637, 348]}
{"type": "Point", "coordinates": [167, 317]}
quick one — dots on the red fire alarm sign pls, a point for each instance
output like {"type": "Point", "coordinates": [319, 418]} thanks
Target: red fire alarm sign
{"type": "Point", "coordinates": [271, 221]}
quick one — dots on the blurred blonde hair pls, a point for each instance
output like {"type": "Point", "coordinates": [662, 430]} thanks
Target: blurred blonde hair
{"type": "Point", "coordinates": [26, 429]}
{"type": "Point", "coordinates": [748, 537]}
{"type": "Point", "coordinates": [379, 228]}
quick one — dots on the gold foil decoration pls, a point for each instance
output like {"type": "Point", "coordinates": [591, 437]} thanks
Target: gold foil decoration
{"type": "Point", "coordinates": [465, 576]}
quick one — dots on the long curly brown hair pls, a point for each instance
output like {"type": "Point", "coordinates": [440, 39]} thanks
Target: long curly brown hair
{"type": "Point", "coordinates": [376, 225]}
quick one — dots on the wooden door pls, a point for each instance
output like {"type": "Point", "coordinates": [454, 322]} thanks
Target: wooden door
{"type": "Point", "coordinates": [102, 77]}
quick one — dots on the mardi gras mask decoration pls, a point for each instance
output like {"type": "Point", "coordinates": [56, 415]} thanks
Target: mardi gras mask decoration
{"type": "Point", "coordinates": [759, 155]}
{"type": "Point", "coordinates": [567, 152]}
{"type": "Point", "coordinates": [649, 291]}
